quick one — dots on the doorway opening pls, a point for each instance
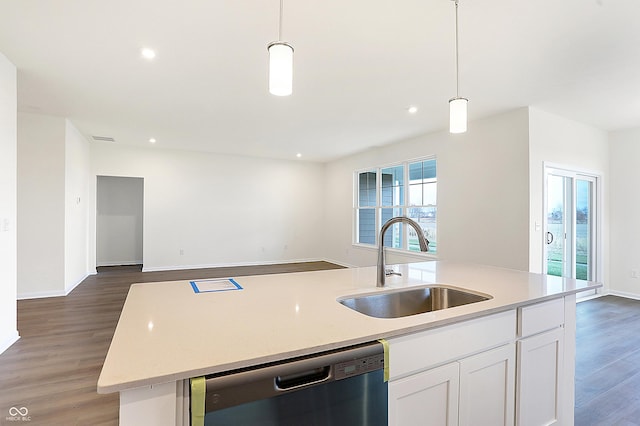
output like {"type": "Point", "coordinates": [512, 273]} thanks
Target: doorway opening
{"type": "Point", "coordinates": [119, 221]}
{"type": "Point", "coordinates": [571, 224]}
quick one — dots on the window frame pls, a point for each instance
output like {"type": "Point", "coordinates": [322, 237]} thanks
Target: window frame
{"type": "Point", "coordinates": [405, 206]}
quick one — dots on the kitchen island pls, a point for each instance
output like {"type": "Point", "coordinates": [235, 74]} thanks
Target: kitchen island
{"type": "Point", "coordinates": [168, 333]}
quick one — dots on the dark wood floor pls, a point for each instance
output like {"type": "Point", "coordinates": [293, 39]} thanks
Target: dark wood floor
{"type": "Point", "coordinates": [608, 362]}
{"type": "Point", "coordinates": [54, 367]}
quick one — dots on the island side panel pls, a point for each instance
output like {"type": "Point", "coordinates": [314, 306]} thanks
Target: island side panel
{"type": "Point", "coordinates": [155, 405]}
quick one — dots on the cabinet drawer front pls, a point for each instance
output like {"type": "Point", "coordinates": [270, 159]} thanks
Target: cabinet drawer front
{"type": "Point", "coordinates": [426, 349]}
{"type": "Point", "coordinates": [534, 319]}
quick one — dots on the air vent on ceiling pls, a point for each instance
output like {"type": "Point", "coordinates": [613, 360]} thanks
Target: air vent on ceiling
{"type": "Point", "coordinates": [103, 138]}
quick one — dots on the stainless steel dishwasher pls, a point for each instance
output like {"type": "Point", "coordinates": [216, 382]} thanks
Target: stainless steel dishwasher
{"type": "Point", "coordinates": [343, 387]}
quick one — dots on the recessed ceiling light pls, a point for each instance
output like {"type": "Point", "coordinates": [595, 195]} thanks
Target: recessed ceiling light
{"type": "Point", "coordinates": [152, 140]}
{"type": "Point", "coordinates": [298, 155]}
{"type": "Point", "coordinates": [412, 109]}
{"type": "Point", "coordinates": [148, 53]}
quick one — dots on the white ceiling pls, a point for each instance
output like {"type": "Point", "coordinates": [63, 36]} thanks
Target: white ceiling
{"type": "Point", "coordinates": [358, 66]}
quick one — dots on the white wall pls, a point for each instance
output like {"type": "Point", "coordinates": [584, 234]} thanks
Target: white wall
{"type": "Point", "coordinates": [625, 212]}
{"type": "Point", "coordinates": [229, 210]}
{"type": "Point", "coordinates": [41, 205]}
{"type": "Point", "coordinates": [119, 221]}
{"type": "Point", "coordinates": [53, 175]}
{"type": "Point", "coordinates": [568, 143]}
{"type": "Point", "coordinates": [77, 169]}
{"type": "Point", "coordinates": [219, 209]}
{"type": "Point", "coordinates": [8, 204]}
{"type": "Point", "coordinates": [482, 194]}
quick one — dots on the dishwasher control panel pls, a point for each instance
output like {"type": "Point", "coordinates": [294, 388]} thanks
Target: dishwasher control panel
{"type": "Point", "coordinates": [346, 369]}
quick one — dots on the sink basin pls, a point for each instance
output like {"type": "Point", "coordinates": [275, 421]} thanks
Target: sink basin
{"type": "Point", "coordinates": [403, 303]}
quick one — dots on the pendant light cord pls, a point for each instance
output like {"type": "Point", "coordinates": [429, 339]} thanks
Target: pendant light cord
{"type": "Point", "coordinates": [280, 21]}
{"type": "Point", "coordinates": [457, 70]}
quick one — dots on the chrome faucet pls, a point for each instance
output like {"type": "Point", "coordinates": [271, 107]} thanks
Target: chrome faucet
{"type": "Point", "coordinates": [422, 240]}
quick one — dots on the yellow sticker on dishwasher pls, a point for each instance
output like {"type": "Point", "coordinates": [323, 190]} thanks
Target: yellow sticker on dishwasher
{"type": "Point", "coordinates": [385, 345]}
{"type": "Point", "coordinates": [198, 389]}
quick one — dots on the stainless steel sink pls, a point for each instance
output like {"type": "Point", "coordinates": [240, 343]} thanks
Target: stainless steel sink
{"type": "Point", "coordinates": [403, 303]}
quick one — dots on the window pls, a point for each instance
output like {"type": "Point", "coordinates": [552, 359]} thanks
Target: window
{"type": "Point", "coordinates": [406, 189]}
{"type": "Point", "coordinates": [367, 207]}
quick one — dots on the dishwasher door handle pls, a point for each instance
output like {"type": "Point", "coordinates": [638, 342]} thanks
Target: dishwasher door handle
{"type": "Point", "coordinates": [302, 379]}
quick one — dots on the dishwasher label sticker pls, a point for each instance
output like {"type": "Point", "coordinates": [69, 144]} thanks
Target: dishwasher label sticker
{"type": "Point", "coordinates": [385, 345]}
{"type": "Point", "coordinates": [210, 286]}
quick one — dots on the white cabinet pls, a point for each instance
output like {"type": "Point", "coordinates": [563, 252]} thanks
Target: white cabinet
{"type": "Point", "coordinates": [514, 367]}
{"type": "Point", "coordinates": [429, 398]}
{"type": "Point", "coordinates": [420, 351]}
{"type": "Point", "coordinates": [460, 374]}
{"type": "Point", "coordinates": [478, 390]}
{"type": "Point", "coordinates": [539, 317]}
{"type": "Point", "coordinates": [540, 372]}
{"type": "Point", "coordinates": [487, 388]}
{"type": "Point", "coordinates": [541, 396]}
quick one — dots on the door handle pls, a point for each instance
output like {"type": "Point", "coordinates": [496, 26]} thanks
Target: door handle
{"type": "Point", "coordinates": [549, 237]}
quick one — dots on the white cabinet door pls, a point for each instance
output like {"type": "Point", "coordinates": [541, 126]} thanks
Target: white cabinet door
{"type": "Point", "coordinates": [429, 398]}
{"type": "Point", "coordinates": [487, 388]}
{"type": "Point", "coordinates": [540, 377]}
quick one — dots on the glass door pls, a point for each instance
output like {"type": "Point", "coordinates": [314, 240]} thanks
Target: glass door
{"type": "Point", "coordinates": [570, 224]}
{"type": "Point", "coordinates": [585, 227]}
{"type": "Point", "coordinates": [558, 225]}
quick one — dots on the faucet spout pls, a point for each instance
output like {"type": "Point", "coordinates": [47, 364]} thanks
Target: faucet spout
{"type": "Point", "coordinates": [422, 240]}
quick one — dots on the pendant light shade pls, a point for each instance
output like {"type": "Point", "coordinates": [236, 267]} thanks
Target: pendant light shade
{"type": "Point", "coordinates": [280, 63]}
{"type": "Point", "coordinates": [457, 105]}
{"type": "Point", "coordinates": [458, 115]}
{"type": "Point", "coordinates": [280, 68]}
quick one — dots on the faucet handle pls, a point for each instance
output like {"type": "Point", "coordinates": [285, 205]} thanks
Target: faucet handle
{"type": "Point", "coordinates": [390, 271]}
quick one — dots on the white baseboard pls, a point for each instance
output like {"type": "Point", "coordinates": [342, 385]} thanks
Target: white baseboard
{"type": "Point", "coordinates": [227, 265]}
{"type": "Point", "coordinates": [624, 294]}
{"type": "Point", "coordinates": [41, 294]}
{"type": "Point", "coordinates": [44, 294]}
{"type": "Point", "coordinates": [9, 340]}
{"type": "Point", "coordinates": [590, 297]}
{"type": "Point", "coordinates": [69, 289]}
{"type": "Point", "coordinates": [335, 262]}
{"type": "Point", "coordinates": [120, 263]}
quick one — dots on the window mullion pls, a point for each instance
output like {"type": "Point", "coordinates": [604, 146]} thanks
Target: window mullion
{"type": "Point", "coordinates": [405, 197]}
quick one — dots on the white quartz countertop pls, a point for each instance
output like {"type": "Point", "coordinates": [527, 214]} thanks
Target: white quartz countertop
{"type": "Point", "coordinates": [168, 332]}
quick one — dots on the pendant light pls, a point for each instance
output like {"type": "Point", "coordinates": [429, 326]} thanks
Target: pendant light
{"type": "Point", "coordinates": [280, 64]}
{"type": "Point", "coordinates": [457, 105]}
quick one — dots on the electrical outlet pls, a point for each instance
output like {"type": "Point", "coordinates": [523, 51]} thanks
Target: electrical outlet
{"type": "Point", "coordinates": [181, 252]}
{"type": "Point", "coordinates": [634, 273]}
